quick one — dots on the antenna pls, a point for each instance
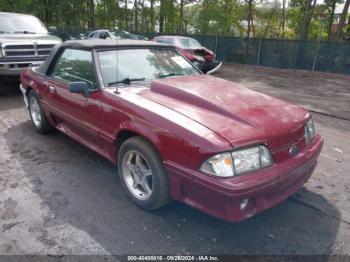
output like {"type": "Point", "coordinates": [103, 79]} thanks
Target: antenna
{"type": "Point", "coordinates": [117, 73]}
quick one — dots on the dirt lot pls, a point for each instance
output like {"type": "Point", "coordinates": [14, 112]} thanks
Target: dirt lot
{"type": "Point", "coordinates": [58, 197]}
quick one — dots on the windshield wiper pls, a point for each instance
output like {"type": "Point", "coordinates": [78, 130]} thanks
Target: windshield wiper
{"type": "Point", "coordinates": [126, 81]}
{"type": "Point", "coordinates": [24, 32]}
{"type": "Point", "coordinates": [170, 74]}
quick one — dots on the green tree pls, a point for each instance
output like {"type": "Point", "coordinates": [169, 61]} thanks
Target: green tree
{"type": "Point", "coordinates": [331, 5]}
{"type": "Point", "coordinates": [340, 27]}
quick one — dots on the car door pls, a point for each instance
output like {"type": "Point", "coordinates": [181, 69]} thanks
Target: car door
{"type": "Point", "coordinates": [75, 114]}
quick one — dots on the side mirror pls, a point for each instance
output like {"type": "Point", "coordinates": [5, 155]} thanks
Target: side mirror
{"type": "Point", "coordinates": [52, 29]}
{"type": "Point", "coordinates": [79, 87]}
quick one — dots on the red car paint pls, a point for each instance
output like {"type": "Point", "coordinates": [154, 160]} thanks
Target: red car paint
{"type": "Point", "coordinates": [189, 119]}
{"type": "Point", "coordinates": [190, 54]}
{"type": "Point", "coordinates": [200, 55]}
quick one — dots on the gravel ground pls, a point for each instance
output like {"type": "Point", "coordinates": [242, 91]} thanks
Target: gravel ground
{"type": "Point", "coordinates": [58, 197]}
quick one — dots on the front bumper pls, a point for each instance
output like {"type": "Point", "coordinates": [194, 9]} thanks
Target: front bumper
{"type": "Point", "coordinates": [210, 67]}
{"type": "Point", "coordinates": [14, 68]}
{"type": "Point", "coordinates": [222, 197]}
{"type": "Point", "coordinates": [24, 93]}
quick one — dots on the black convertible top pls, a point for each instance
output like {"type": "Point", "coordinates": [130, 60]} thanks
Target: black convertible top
{"type": "Point", "coordinates": [95, 44]}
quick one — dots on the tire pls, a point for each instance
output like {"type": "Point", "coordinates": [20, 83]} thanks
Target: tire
{"type": "Point", "coordinates": [159, 184]}
{"type": "Point", "coordinates": [37, 114]}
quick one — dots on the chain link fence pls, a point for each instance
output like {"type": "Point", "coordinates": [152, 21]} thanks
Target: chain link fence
{"type": "Point", "coordinates": [291, 54]}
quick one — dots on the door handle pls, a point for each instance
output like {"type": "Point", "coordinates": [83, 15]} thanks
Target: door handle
{"type": "Point", "coordinates": [52, 89]}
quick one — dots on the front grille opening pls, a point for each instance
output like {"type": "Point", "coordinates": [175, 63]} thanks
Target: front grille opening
{"type": "Point", "coordinates": [19, 47]}
{"type": "Point", "coordinates": [45, 46]}
{"type": "Point", "coordinates": [28, 50]}
{"type": "Point", "coordinates": [44, 52]}
{"type": "Point", "coordinates": [20, 53]}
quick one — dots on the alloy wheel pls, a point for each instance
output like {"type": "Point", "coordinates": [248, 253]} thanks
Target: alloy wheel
{"type": "Point", "coordinates": [137, 175]}
{"type": "Point", "coordinates": [35, 111]}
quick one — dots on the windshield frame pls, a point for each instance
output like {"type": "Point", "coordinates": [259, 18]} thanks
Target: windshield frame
{"type": "Point", "coordinates": [98, 65]}
{"type": "Point", "coordinates": [43, 30]}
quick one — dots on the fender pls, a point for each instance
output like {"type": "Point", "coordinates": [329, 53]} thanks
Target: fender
{"type": "Point", "coordinates": [28, 82]}
{"type": "Point", "coordinates": [136, 127]}
{"type": "Point", "coordinates": [141, 129]}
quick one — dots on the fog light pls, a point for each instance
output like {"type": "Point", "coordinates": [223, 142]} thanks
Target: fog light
{"type": "Point", "coordinates": [244, 204]}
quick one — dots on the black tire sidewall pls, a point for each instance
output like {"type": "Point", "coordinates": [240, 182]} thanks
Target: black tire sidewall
{"type": "Point", "coordinates": [160, 193]}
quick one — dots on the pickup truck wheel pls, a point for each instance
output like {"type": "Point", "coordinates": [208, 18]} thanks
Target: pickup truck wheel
{"type": "Point", "coordinates": [142, 174]}
{"type": "Point", "coordinates": [37, 114]}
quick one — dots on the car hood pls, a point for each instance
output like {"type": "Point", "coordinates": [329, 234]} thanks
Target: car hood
{"type": "Point", "coordinates": [238, 114]}
{"type": "Point", "coordinates": [204, 52]}
{"type": "Point", "coordinates": [18, 38]}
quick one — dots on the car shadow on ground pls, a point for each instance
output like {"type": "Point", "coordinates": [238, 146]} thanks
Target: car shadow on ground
{"type": "Point", "coordinates": [79, 189]}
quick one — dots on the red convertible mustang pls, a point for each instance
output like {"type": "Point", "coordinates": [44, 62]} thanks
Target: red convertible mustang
{"type": "Point", "coordinates": [173, 132]}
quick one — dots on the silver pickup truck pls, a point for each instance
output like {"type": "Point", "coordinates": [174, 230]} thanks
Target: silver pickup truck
{"type": "Point", "coordinates": [24, 41]}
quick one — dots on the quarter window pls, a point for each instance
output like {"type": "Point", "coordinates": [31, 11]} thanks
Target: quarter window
{"type": "Point", "coordinates": [74, 66]}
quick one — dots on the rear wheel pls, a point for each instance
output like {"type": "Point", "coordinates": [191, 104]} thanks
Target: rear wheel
{"type": "Point", "coordinates": [37, 114]}
{"type": "Point", "coordinates": [142, 174]}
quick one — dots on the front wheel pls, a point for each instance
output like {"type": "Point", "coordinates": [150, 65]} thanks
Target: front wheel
{"type": "Point", "coordinates": [142, 174]}
{"type": "Point", "coordinates": [37, 114]}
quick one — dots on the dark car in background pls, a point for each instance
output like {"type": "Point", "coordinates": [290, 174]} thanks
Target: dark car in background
{"type": "Point", "coordinates": [67, 35]}
{"type": "Point", "coordinates": [24, 41]}
{"type": "Point", "coordinates": [199, 55]}
{"type": "Point", "coordinates": [115, 34]}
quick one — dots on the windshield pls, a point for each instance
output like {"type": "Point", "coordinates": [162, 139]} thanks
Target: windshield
{"type": "Point", "coordinates": [145, 64]}
{"type": "Point", "coordinates": [21, 24]}
{"type": "Point", "coordinates": [189, 43]}
{"type": "Point", "coordinates": [121, 34]}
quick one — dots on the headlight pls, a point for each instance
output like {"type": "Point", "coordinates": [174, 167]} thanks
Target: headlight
{"type": "Point", "coordinates": [238, 162]}
{"type": "Point", "coordinates": [196, 64]}
{"type": "Point", "coordinates": [310, 131]}
{"type": "Point", "coordinates": [1, 52]}
{"type": "Point", "coordinates": [251, 159]}
{"type": "Point", "coordinates": [220, 165]}
{"type": "Point", "coordinates": [199, 58]}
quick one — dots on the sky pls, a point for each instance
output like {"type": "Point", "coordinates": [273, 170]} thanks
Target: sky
{"type": "Point", "coordinates": [339, 8]}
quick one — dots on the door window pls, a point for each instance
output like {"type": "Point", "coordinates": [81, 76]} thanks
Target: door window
{"type": "Point", "coordinates": [96, 34]}
{"type": "Point", "coordinates": [74, 66]}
